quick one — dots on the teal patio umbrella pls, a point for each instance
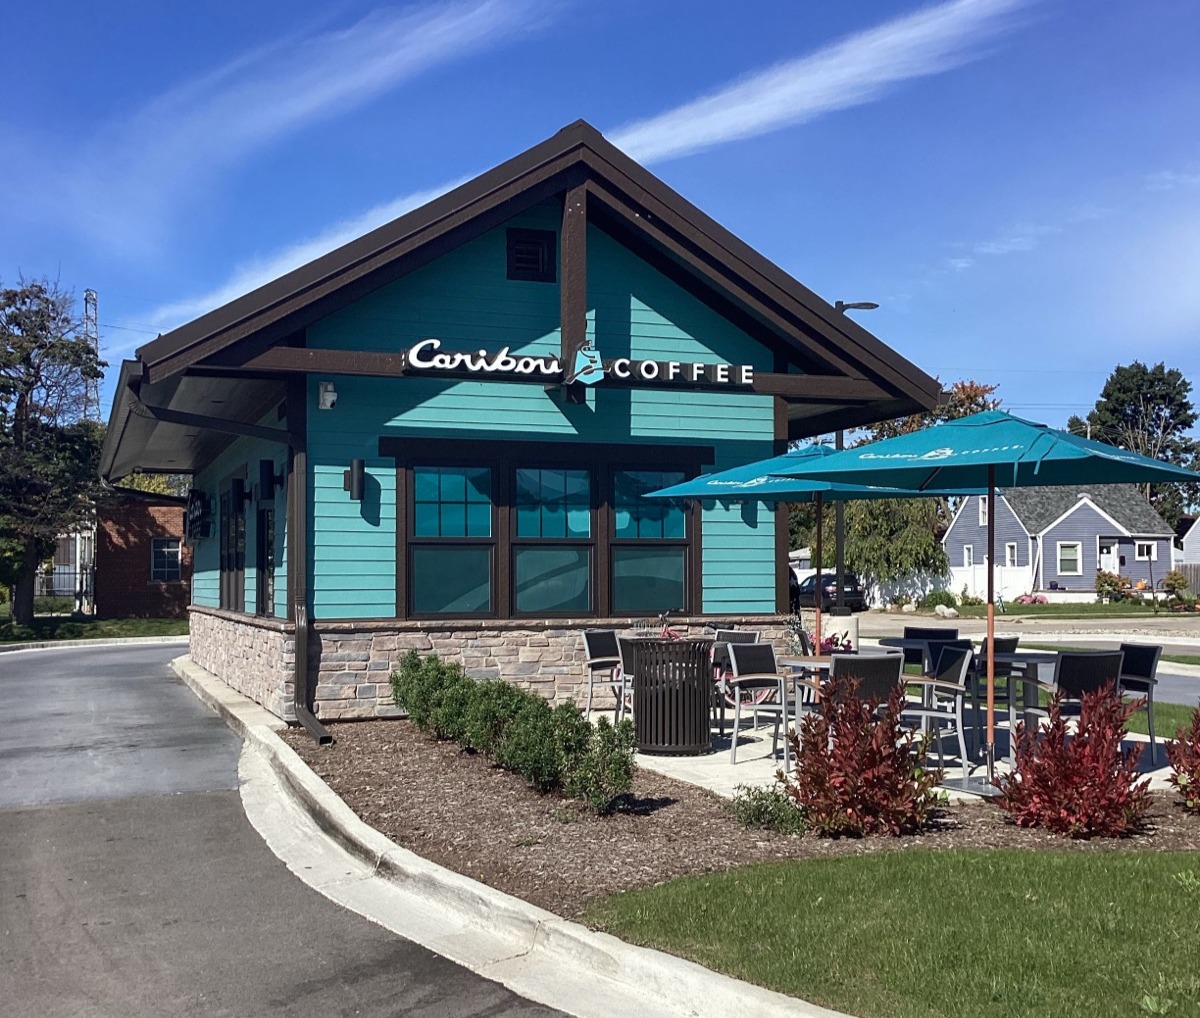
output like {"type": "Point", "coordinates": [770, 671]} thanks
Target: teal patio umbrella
{"type": "Point", "coordinates": [976, 452]}
{"type": "Point", "coordinates": [765, 480]}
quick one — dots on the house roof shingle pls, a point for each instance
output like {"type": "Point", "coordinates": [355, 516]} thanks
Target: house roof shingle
{"type": "Point", "coordinates": [1037, 508]}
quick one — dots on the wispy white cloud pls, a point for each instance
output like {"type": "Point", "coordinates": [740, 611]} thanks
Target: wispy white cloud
{"type": "Point", "coordinates": [1022, 237]}
{"type": "Point", "coordinates": [848, 73]}
{"type": "Point", "coordinates": [851, 72]}
{"type": "Point", "coordinates": [1171, 180]}
{"type": "Point", "coordinates": [959, 264]}
{"type": "Point", "coordinates": [258, 271]}
{"type": "Point", "coordinates": [132, 173]}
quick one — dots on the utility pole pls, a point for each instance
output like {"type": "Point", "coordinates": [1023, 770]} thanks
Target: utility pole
{"type": "Point", "coordinates": [91, 332]}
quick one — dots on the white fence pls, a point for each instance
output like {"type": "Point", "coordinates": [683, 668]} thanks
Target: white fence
{"type": "Point", "coordinates": [1011, 581]}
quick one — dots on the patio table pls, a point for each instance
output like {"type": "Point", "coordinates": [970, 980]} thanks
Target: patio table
{"type": "Point", "coordinates": [926, 645]}
{"type": "Point", "coordinates": [1026, 665]}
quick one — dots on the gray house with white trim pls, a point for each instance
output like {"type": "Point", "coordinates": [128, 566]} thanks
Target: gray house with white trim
{"type": "Point", "coordinates": [1060, 536]}
{"type": "Point", "coordinates": [1188, 540]}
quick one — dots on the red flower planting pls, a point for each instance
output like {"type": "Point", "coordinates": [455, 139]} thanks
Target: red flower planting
{"type": "Point", "coordinates": [1184, 755]}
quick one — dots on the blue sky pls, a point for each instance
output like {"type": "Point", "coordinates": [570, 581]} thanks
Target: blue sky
{"type": "Point", "coordinates": [1016, 183]}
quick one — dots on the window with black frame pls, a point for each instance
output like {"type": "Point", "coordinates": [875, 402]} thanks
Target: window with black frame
{"type": "Point", "coordinates": [649, 544]}
{"type": "Point", "coordinates": [164, 560]}
{"type": "Point", "coordinates": [265, 561]}
{"type": "Point", "coordinates": [452, 541]}
{"type": "Point", "coordinates": [233, 550]}
{"type": "Point", "coordinates": [553, 543]}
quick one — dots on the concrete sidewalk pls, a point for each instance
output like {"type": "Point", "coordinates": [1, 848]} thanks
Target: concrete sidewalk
{"type": "Point", "coordinates": [527, 949]}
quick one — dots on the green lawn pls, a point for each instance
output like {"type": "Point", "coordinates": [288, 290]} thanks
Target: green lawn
{"type": "Point", "coordinates": [915, 933]}
{"type": "Point", "coordinates": [63, 628]}
{"type": "Point", "coordinates": [1180, 659]}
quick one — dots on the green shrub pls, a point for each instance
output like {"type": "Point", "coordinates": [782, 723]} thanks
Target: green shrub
{"type": "Point", "coordinates": [495, 705]}
{"type": "Point", "coordinates": [770, 809]}
{"type": "Point", "coordinates": [1107, 584]}
{"type": "Point", "coordinates": [436, 695]}
{"type": "Point", "coordinates": [572, 731]}
{"type": "Point", "coordinates": [548, 748]}
{"type": "Point", "coordinates": [605, 771]}
{"type": "Point", "coordinates": [936, 597]}
{"type": "Point", "coordinates": [966, 598]}
{"type": "Point", "coordinates": [1175, 582]}
{"type": "Point", "coordinates": [529, 746]}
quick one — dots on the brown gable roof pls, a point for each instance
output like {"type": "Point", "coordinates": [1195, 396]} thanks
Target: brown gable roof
{"type": "Point", "coordinates": [627, 197]}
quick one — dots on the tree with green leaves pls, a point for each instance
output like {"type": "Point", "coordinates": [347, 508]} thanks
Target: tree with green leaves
{"type": "Point", "coordinates": [49, 453]}
{"type": "Point", "coordinates": [1148, 410]}
{"type": "Point", "coordinates": [890, 539]}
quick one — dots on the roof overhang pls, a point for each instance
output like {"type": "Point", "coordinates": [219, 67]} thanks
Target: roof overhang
{"type": "Point", "coordinates": [829, 372]}
{"type": "Point", "coordinates": [139, 438]}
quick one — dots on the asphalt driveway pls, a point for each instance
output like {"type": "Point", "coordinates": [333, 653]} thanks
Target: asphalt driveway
{"type": "Point", "coordinates": [132, 884]}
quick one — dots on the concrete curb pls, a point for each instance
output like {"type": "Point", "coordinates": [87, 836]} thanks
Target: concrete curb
{"type": "Point", "coordinates": [546, 946]}
{"type": "Point", "coordinates": [9, 648]}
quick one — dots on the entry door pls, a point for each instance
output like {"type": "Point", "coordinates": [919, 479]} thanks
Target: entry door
{"type": "Point", "coordinates": [1108, 556]}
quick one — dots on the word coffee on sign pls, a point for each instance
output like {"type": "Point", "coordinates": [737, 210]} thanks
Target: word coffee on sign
{"type": "Point", "coordinates": [428, 355]}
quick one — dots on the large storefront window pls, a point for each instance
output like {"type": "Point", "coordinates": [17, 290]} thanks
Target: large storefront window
{"type": "Point", "coordinates": [542, 531]}
{"type": "Point", "coordinates": [452, 545]}
{"type": "Point", "coordinates": [650, 546]}
{"type": "Point", "coordinates": [552, 567]}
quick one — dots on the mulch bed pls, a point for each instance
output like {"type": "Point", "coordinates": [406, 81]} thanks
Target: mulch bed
{"type": "Point", "coordinates": [458, 810]}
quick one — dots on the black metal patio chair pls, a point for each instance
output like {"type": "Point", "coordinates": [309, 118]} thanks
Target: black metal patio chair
{"type": "Point", "coordinates": [1138, 678]}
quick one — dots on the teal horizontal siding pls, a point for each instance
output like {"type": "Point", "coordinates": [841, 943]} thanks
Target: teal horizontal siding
{"type": "Point", "coordinates": [242, 455]}
{"type": "Point", "coordinates": [465, 300]}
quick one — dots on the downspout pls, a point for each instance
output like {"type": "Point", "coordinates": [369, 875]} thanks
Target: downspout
{"type": "Point", "coordinates": [296, 439]}
{"type": "Point", "coordinates": [297, 493]}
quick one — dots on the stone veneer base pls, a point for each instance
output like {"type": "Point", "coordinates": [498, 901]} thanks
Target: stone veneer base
{"type": "Point", "coordinates": [350, 662]}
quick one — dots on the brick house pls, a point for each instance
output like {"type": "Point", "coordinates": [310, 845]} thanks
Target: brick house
{"type": "Point", "coordinates": [143, 567]}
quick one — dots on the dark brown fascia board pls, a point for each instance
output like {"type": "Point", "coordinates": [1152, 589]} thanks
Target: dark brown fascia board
{"type": "Point", "coordinates": [361, 260]}
{"type": "Point", "coordinates": [847, 417]}
{"type": "Point", "coordinates": [131, 373]}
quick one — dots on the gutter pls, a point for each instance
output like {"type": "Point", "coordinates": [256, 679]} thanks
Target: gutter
{"type": "Point", "coordinates": [297, 521]}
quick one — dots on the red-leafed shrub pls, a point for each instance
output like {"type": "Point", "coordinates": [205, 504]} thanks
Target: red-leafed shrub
{"type": "Point", "coordinates": [1085, 786]}
{"type": "Point", "coordinates": [1184, 754]}
{"type": "Point", "coordinates": [857, 771]}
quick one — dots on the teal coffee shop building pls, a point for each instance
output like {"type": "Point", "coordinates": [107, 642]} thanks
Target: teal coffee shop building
{"type": "Point", "coordinates": [439, 435]}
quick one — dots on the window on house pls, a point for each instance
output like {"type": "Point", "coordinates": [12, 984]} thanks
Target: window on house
{"type": "Point", "coordinates": [452, 541]}
{"type": "Point", "coordinates": [552, 546]}
{"type": "Point", "coordinates": [649, 544]}
{"type": "Point", "coordinates": [265, 561]}
{"type": "Point", "coordinates": [1010, 554]}
{"type": "Point", "coordinates": [531, 255]}
{"type": "Point", "coordinates": [968, 556]}
{"type": "Point", "coordinates": [1070, 559]}
{"type": "Point", "coordinates": [983, 510]}
{"type": "Point", "coordinates": [164, 560]}
{"type": "Point", "coordinates": [1146, 551]}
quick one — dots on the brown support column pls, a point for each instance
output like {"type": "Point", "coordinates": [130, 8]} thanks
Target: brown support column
{"type": "Point", "coordinates": [572, 283]}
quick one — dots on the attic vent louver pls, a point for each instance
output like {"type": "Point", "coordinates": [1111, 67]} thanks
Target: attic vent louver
{"type": "Point", "coordinates": [531, 255]}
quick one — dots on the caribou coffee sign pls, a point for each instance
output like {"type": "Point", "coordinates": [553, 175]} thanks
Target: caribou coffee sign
{"type": "Point", "coordinates": [587, 367]}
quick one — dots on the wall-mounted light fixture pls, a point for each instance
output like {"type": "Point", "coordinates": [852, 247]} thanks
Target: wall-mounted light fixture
{"type": "Point", "coordinates": [352, 480]}
{"type": "Point", "coordinates": [267, 479]}
{"type": "Point", "coordinates": [326, 396]}
{"type": "Point", "coordinates": [239, 495]}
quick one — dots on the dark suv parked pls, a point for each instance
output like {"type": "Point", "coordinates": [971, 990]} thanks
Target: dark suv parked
{"type": "Point", "coordinates": [854, 596]}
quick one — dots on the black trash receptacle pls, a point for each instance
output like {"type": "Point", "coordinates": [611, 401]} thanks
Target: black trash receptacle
{"type": "Point", "coordinates": [672, 696]}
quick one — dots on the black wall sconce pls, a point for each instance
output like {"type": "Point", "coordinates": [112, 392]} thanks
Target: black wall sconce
{"type": "Point", "coordinates": [238, 495]}
{"type": "Point", "coordinates": [352, 480]}
{"type": "Point", "coordinates": [267, 479]}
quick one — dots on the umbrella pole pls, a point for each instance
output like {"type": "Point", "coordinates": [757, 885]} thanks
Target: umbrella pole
{"type": "Point", "coordinates": [991, 626]}
{"type": "Point", "coordinates": [819, 590]}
